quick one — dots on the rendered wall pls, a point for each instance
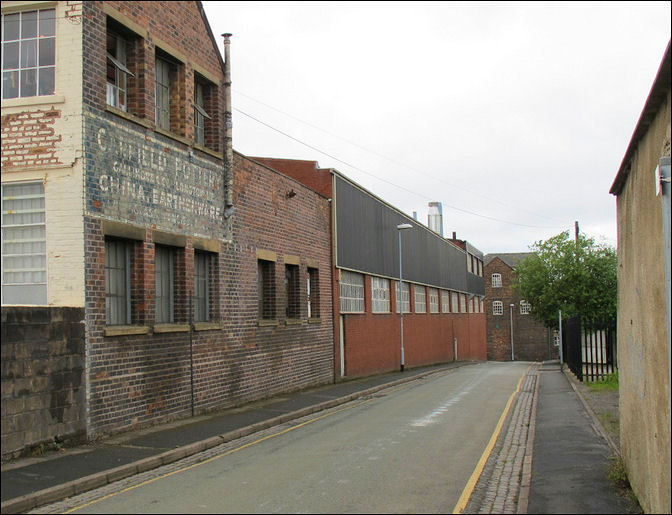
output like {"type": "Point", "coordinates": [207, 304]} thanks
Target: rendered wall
{"type": "Point", "coordinates": [644, 385]}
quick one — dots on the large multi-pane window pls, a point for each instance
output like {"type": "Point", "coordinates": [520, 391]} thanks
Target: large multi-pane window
{"type": "Point", "coordinates": [266, 289]}
{"type": "Point", "coordinates": [403, 297]}
{"type": "Point", "coordinates": [28, 53]}
{"type": "Point", "coordinates": [164, 266]}
{"type": "Point", "coordinates": [463, 302]}
{"type": "Point", "coordinates": [380, 295]}
{"type": "Point", "coordinates": [292, 291]}
{"type": "Point", "coordinates": [497, 307]}
{"type": "Point", "coordinates": [117, 282]}
{"type": "Point", "coordinates": [454, 301]}
{"type": "Point", "coordinates": [351, 289]}
{"type": "Point", "coordinates": [24, 248]}
{"type": "Point", "coordinates": [162, 93]}
{"type": "Point", "coordinates": [496, 280]}
{"type": "Point", "coordinates": [201, 286]}
{"type": "Point", "coordinates": [525, 307]}
{"type": "Point", "coordinates": [117, 71]}
{"type": "Point", "coordinates": [445, 301]}
{"type": "Point", "coordinates": [433, 300]}
{"type": "Point", "coordinates": [420, 295]}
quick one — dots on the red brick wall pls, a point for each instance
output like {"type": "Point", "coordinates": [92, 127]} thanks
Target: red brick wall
{"type": "Point", "coordinates": [373, 342]}
{"type": "Point", "coordinates": [530, 338]}
{"type": "Point", "coordinates": [306, 172]}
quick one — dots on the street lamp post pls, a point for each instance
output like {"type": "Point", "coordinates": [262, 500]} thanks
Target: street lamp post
{"type": "Point", "coordinates": [511, 306]}
{"type": "Point", "coordinates": [400, 228]}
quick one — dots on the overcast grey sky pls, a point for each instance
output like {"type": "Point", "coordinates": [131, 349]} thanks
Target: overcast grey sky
{"type": "Point", "coordinates": [515, 116]}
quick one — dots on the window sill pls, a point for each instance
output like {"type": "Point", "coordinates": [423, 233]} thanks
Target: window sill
{"type": "Point", "coordinates": [267, 323]}
{"type": "Point", "coordinates": [207, 326]}
{"type": "Point", "coordinates": [208, 151]}
{"type": "Point", "coordinates": [33, 101]}
{"type": "Point", "coordinates": [171, 328]}
{"type": "Point", "coordinates": [128, 116]}
{"type": "Point", "coordinates": [293, 321]}
{"type": "Point", "coordinates": [315, 320]}
{"type": "Point", "coordinates": [122, 330]}
{"type": "Point", "coordinates": [172, 135]}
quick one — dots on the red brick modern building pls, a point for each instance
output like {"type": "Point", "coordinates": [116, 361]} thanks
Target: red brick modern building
{"type": "Point", "coordinates": [512, 333]}
{"type": "Point", "coordinates": [442, 296]}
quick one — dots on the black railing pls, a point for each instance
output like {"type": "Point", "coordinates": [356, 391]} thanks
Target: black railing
{"type": "Point", "coordinates": [589, 354]}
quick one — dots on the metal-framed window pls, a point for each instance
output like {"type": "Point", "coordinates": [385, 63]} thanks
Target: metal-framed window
{"type": "Point", "coordinates": [445, 301]}
{"type": "Point", "coordinates": [28, 53]}
{"type": "Point", "coordinates": [497, 307]}
{"type": "Point", "coordinates": [24, 244]}
{"type": "Point", "coordinates": [351, 290]}
{"type": "Point", "coordinates": [313, 292]}
{"type": "Point", "coordinates": [454, 302]}
{"type": "Point", "coordinates": [380, 295]}
{"type": "Point", "coordinates": [201, 286]}
{"type": "Point", "coordinates": [162, 92]}
{"type": "Point", "coordinates": [496, 280]}
{"type": "Point", "coordinates": [292, 291]}
{"type": "Point", "coordinates": [420, 296]}
{"type": "Point", "coordinates": [117, 71]}
{"type": "Point", "coordinates": [266, 289]}
{"type": "Point", "coordinates": [200, 114]}
{"type": "Point", "coordinates": [164, 279]}
{"type": "Point", "coordinates": [117, 282]}
{"type": "Point", "coordinates": [525, 307]}
{"type": "Point", "coordinates": [463, 302]}
{"type": "Point", "coordinates": [403, 297]}
{"type": "Point", "coordinates": [433, 300]}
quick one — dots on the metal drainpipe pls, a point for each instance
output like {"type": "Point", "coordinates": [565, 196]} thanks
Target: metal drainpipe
{"type": "Point", "coordinates": [228, 130]}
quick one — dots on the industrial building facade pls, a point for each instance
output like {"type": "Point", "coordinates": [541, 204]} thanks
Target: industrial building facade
{"type": "Point", "coordinates": [442, 297]}
{"type": "Point", "coordinates": [150, 273]}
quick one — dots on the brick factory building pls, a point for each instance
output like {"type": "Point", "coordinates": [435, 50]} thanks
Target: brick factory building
{"type": "Point", "coordinates": [148, 271]}
{"type": "Point", "coordinates": [443, 293]}
{"type": "Point", "coordinates": [512, 333]}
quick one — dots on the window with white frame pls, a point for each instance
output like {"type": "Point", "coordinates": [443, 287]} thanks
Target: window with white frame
{"type": "Point", "coordinates": [454, 302]}
{"type": "Point", "coordinates": [497, 307]}
{"type": "Point", "coordinates": [445, 301]}
{"type": "Point", "coordinates": [351, 289]}
{"type": "Point", "coordinates": [24, 245]}
{"type": "Point", "coordinates": [201, 286]}
{"type": "Point", "coordinates": [420, 295]}
{"type": "Point", "coordinates": [403, 297]}
{"type": "Point", "coordinates": [380, 295]}
{"type": "Point", "coordinates": [201, 116]}
{"type": "Point", "coordinates": [28, 53]}
{"type": "Point", "coordinates": [471, 304]}
{"type": "Point", "coordinates": [433, 300]}
{"type": "Point", "coordinates": [496, 280]}
{"type": "Point", "coordinates": [164, 266]}
{"type": "Point", "coordinates": [463, 302]}
{"type": "Point", "coordinates": [525, 307]}
{"type": "Point", "coordinates": [117, 282]}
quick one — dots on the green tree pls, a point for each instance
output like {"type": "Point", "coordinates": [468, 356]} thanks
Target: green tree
{"type": "Point", "coordinates": [578, 277]}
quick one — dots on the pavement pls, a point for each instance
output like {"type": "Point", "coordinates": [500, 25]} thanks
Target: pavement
{"type": "Point", "coordinates": [550, 457]}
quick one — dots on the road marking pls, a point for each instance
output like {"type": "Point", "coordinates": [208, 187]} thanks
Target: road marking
{"type": "Point", "coordinates": [231, 451]}
{"type": "Point", "coordinates": [471, 484]}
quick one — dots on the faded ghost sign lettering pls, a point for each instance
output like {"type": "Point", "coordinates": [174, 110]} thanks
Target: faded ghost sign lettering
{"type": "Point", "coordinates": [137, 178]}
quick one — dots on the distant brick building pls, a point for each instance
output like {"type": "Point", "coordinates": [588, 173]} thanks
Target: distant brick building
{"type": "Point", "coordinates": [526, 339]}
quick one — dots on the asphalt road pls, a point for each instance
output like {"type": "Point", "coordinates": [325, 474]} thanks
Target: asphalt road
{"type": "Point", "coordinates": [408, 449]}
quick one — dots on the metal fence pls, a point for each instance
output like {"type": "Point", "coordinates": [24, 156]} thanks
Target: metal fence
{"type": "Point", "coordinates": [589, 354]}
